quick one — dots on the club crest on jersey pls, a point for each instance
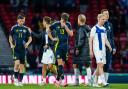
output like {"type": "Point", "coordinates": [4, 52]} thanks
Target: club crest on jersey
{"type": "Point", "coordinates": [58, 56]}
{"type": "Point", "coordinates": [17, 30]}
{"type": "Point", "coordinates": [24, 31]}
{"type": "Point", "coordinates": [58, 27]}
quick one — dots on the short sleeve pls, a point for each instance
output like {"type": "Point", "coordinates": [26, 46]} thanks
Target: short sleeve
{"type": "Point", "coordinates": [69, 25]}
{"type": "Point", "coordinates": [53, 26]}
{"type": "Point", "coordinates": [93, 31]}
{"type": "Point", "coordinates": [28, 32]}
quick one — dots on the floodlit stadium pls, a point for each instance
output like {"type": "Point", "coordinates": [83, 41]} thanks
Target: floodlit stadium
{"type": "Point", "coordinates": [72, 44]}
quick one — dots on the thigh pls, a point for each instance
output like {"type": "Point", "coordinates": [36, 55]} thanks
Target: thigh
{"type": "Point", "coordinates": [58, 53]}
{"type": "Point", "coordinates": [22, 57]}
{"type": "Point", "coordinates": [64, 53]}
{"type": "Point", "coordinates": [99, 56]}
{"type": "Point", "coordinates": [16, 54]}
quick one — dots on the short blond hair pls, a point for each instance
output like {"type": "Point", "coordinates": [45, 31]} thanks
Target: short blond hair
{"type": "Point", "coordinates": [99, 16]}
{"type": "Point", "coordinates": [82, 18]}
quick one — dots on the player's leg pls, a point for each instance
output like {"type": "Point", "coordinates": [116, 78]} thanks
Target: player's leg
{"type": "Point", "coordinates": [44, 70]}
{"type": "Point", "coordinates": [21, 73]}
{"type": "Point", "coordinates": [95, 78]}
{"type": "Point", "coordinates": [107, 65]}
{"type": "Point", "coordinates": [96, 73]}
{"type": "Point", "coordinates": [21, 67]}
{"type": "Point", "coordinates": [59, 71]}
{"type": "Point", "coordinates": [101, 73]}
{"type": "Point", "coordinates": [16, 71]}
{"type": "Point", "coordinates": [51, 62]}
{"type": "Point", "coordinates": [89, 73]}
{"type": "Point", "coordinates": [76, 73]}
{"type": "Point", "coordinates": [52, 68]}
{"type": "Point", "coordinates": [62, 61]}
{"type": "Point", "coordinates": [76, 69]}
{"type": "Point", "coordinates": [16, 66]}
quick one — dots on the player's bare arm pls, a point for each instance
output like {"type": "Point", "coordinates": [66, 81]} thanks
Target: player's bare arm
{"type": "Point", "coordinates": [29, 39]}
{"type": "Point", "coordinates": [11, 41]}
{"type": "Point", "coordinates": [90, 46]}
{"type": "Point", "coordinates": [108, 44]}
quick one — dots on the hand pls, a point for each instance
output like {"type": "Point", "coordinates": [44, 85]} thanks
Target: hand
{"type": "Point", "coordinates": [76, 52]}
{"type": "Point", "coordinates": [55, 39]}
{"type": "Point", "coordinates": [26, 45]}
{"type": "Point", "coordinates": [12, 46]}
{"type": "Point", "coordinates": [114, 51]}
{"type": "Point", "coordinates": [63, 24]}
{"type": "Point", "coordinates": [46, 46]}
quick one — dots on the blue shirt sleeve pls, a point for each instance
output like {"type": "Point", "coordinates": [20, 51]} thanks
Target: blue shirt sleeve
{"type": "Point", "coordinates": [69, 25]}
{"type": "Point", "coordinates": [53, 26]}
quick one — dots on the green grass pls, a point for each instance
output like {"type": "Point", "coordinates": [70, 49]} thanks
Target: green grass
{"type": "Point", "coordinates": [111, 86]}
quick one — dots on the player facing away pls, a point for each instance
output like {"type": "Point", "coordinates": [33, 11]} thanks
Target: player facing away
{"type": "Point", "coordinates": [19, 39]}
{"type": "Point", "coordinates": [81, 54]}
{"type": "Point", "coordinates": [48, 58]}
{"type": "Point", "coordinates": [110, 36]}
{"type": "Point", "coordinates": [63, 31]}
{"type": "Point", "coordinates": [98, 40]}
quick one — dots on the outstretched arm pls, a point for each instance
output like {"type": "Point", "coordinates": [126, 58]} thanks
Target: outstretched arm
{"type": "Point", "coordinates": [29, 38]}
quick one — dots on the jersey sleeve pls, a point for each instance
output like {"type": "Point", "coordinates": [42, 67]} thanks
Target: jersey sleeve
{"type": "Point", "coordinates": [28, 32]}
{"type": "Point", "coordinates": [53, 26]}
{"type": "Point", "coordinates": [69, 25]}
{"type": "Point", "coordinates": [93, 31]}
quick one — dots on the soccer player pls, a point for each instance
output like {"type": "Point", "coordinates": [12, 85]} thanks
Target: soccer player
{"type": "Point", "coordinates": [63, 31]}
{"type": "Point", "coordinates": [19, 40]}
{"type": "Point", "coordinates": [48, 58]}
{"type": "Point", "coordinates": [97, 41]}
{"type": "Point", "coordinates": [48, 55]}
{"type": "Point", "coordinates": [82, 56]}
{"type": "Point", "coordinates": [109, 32]}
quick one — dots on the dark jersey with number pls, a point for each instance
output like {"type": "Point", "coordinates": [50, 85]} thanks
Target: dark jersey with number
{"type": "Point", "coordinates": [20, 35]}
{"type": "Point", "coordinates": [60, 32]}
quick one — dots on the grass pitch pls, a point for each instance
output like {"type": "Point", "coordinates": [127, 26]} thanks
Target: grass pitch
{"type": "Point", "coordinates": [50, 86]}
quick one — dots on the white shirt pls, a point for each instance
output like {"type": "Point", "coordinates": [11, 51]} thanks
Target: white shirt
{"type": "Point", "coordinates": [99, 35]}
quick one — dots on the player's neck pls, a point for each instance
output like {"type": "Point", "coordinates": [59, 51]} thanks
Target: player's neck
{"type": "Point", "coordinates": [100, 25]}
{"type": "Point", "coordinates": [81, 24]}
{"type": "Point", "coordinates": [20, 24]}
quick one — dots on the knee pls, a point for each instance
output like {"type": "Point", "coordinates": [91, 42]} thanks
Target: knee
{"type": "Point", "coordinates": [21, 67]}
{"type": "Point", "coordinates": [60, 62]}
{"type": "Point", "coordinates": [75, 66]}
{"type": "Point", "coordinates": [87, 65]}
{"type": "Point", "coordinates": [50, 67]}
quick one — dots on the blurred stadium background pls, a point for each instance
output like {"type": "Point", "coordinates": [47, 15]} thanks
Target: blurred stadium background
{"type": "Point", "coordinates": [36, 9]}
